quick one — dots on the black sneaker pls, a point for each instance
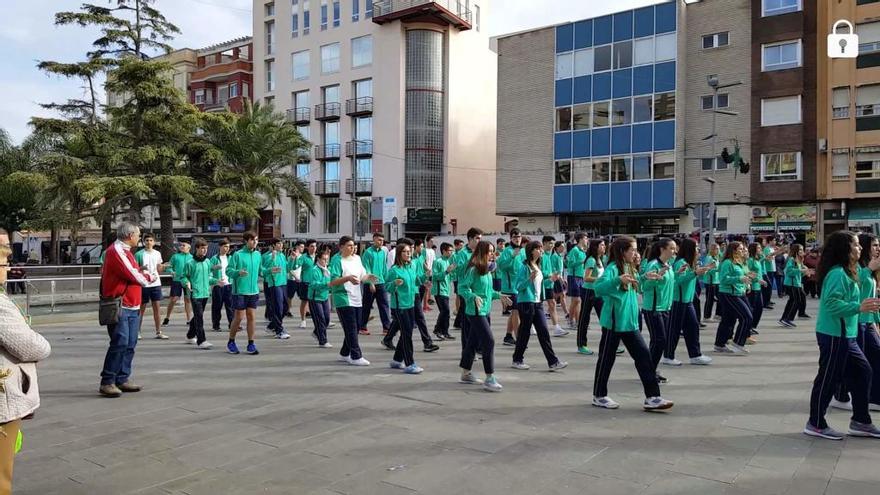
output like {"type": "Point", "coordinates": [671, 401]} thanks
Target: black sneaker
{"type": "Point", "coordinates": [439, 336]}
{"type": "Point", "coordinates": [755, 332]}
{"type": "Point", "coordinates": [217, 329]}
{"type": "Point", "coordinates": [703, 325]}
{"type": "Point", "coordinates": [388, 345]}
{"type": "Point", "coordinates": [432, 348]}
{"type": "Point", "coordinates": [661, 379]}
{"type": "Point", "coordinates": [804, 316]}
{"type": "Point", "coordinates": [509, 340]}
{"type": "Point", "coordinates": [165, 322]}
{"type": "Point", "coordinates": [447, 336]}
{"type": "Point", "coordinates": [288, 315]}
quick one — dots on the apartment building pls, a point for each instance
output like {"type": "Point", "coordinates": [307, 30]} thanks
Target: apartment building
{"type": "Point", "coordinates": [397, 98]}
{"type": "Point", "coordinates": [717, 40]}
{"type": "Point", "coordinates": [849, 122]}
{"type": "Point", "coordinates": [589, 134]}
{"type": "Point", "coordinates": [223, 76]}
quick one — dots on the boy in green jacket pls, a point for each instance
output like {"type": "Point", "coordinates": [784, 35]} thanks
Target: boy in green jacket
{"type": "Point", "coordinates": [441, 273]}
{"type": "Point", "coordinates": [198, 277]}
{"type": "Point", "coordinates": [508, 263]}
{"type": "Point", "coordinates": [374, 261]}
{"type": "Point", "coordinates": [244, 271]}
{"type": "Point", "coordinates": [274, 273]}
{"type": "Point", "coordinates": [178, 263]}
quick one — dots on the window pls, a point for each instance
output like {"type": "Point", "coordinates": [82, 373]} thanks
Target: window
{"type": "Point", "coordinates": [270, 37]}
{"type": "Point", "coordinates": [641, 167]}
{"type": "Point", "coordinates": [664, 166]}
{"type": "Point", "coordinates": [715, 40]}
{"type": "Point", "coordinates": [301, 67]}
{"type": "Point", "coordinates": [706, 164]}
{"type": "Point", "coordinates": [331, 171]}
{"type": "Point", "coordinates": [867, 168]}
{"type": "Point", "coordinates": [779, 7]}
{"type": "Point", "coordinates": [564, 65]}
{"type": "Point", "coordinates": [643, 51]}
{"type": "Point", "coordinates": [642, 109]}
{"type": "Point", "coordinates": [623, 55]}
{"type": "Point", "coordinates": [840, 103]}
{"type": "Point", "coordinates": [781, 166]}
{"type": "Point", "coordinates": [305, 131]}
{"type": "Point", "coordinates": [563, 119]}
{"type": "Point", "coordinates": [330, 58]}
{"type": "Point", "coordinates": [581, 171]}
{"type": "Point", "coordinates": [602, 58]}
{"type": "Point", "coordinates": [868, 100]}
{"type": "Point", "coordinates": [708, 104]}
{"type": "Point", "coordinates": [300, 99]}
{"type": "Point", "coordinates": [581, 116]}
{"type": "Point", "coordinates": [621, 112]}
{"type": "Point", "coordinates": [600, 114]}
{"type": "Point", "coordinates": [294, 25]}
{"type": "Point", "coordinates": [563, 172]}
{"type": "Point", "coordinates": [306, 17]}
{"type": "Point", "coordinates": [363, 128]}
{"type": "Point", "coordinates": [270, 76]}
{"type": "Point", "coordinates": [323, 15]}
{"type": "Point", "coordinates": [583, 62]}
{"type": "Point", "coordinates": [362, 51]}
{"type": "Point", "coordinates": [869, 38]}
{"type": "Point", "coordinates": [664, 106]}
{"type": "Point", "coordinates": [720, 223]}
{"type": "Point", "coordinates": [270, 9]}
{"type": "Point", "coordinates": [365, 168]}
{"type": "Point", "coordinates": [331, 215]}
{"type": "Point", "coordinates": [356, 9]}
{"type": "Point", "coordinates": [781, 111]}
{"type": "Point", "coordinates": [269, 101]}
{"type": "Point", "coordinates": [302, 171]}
{"type": "Point", "coordinates": [840, 164]}
{"type": "Point", "coordinates": [331, 133]}
{"type": "Point", "coordinates": [476, 17]}
{"type": "Point", "coordinates": [780, 56]}
{"type": "Point", "coordinates": [199, 96]}
{"type": "Point", "coordinates": [620, 169]}
{"type": "Point", "coordinates": [368, 12]}
{"type": "Point", "coordinates": [302, 218]}
{"type": "Point", "coordinates": [337, 13]}
{"type": "Point", "coordinates": [665, 48]}
{"type": "Point", "coordinates": [363, 88]}
{"type": "Point", "coordinates": [601, 169]}
{"type": "Point", "coordinates": [330, 94]}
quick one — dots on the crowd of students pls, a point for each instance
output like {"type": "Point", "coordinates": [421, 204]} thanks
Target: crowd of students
{"type": "Point", "coordinates": [670, 288]}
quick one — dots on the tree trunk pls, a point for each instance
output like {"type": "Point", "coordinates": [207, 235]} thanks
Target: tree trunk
{"type": "Point", "coordinates": [166, 228]}
{"type": "Point", "coordinates": [74, 234]}
{"type": "Point", "coordinates": [106, 230]}
{"type": "Point", "coordinates": [54, 247]}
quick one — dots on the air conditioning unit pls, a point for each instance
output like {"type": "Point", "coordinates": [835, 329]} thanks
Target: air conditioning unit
{"type": "Point", "coordinates": [759, 211]}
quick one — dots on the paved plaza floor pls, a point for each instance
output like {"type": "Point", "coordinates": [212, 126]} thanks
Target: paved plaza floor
{"type": "Point", "coordinates": [294, 421]}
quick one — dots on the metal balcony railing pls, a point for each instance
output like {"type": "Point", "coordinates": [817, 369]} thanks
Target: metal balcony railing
{"type": "Point", "coordinates": [328, 111]}
{"type": "Point", "coordinates": [299, 115]}
{"type": "Point", "coordinates": [364, 187]}
{"type": "Point", "coordinates": [327, 152]}
{"type": "Point", "coordinates": [327, 187]}
{"type": "Point", "coordinates": [359, 148]}
{"type": "Point", "coordinates": [359, 106]}
{"type": "Point", "coordinates": [455, 12]}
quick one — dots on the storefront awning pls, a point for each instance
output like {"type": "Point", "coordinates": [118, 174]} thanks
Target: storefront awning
{"type": "Point", "coordinates": [783, 227]}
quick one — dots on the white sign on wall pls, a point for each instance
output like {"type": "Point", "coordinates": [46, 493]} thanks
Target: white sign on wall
{"type": "Point", "coordinates": [389, 209]}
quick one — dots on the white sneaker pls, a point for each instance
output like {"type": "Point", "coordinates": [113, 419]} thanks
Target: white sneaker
{"type": "Point", "coordinates": [846, 406]}
{"type": "Point", "coordinates": [343, 359]}
{"type": "Point", "coordinates": [738, 350]}
{"type": "Point", "coordinates": [670, 362]}
{"type": "Point", "coordinates": [520, 365]}
{"type": "Point", "coordinates": [657, 404]}
{"type": "Point", "coordinates": [396, 365]}
{"type": "Point", "coordinates": [558, 365]}
{"type": "Point", "coordinates": [303, 324]}
{"type": "Point", "coordinates": [359, 362]}
{"type": "Point", "coordinates": [205, 345]}
{"type": "Point", "coordinates": [605, 402]}
{"type": "Point", "coordinates": [533, 331]}
{"type": "Point", "coordinates": [469, 379]}
{"type": "Point", "coordinates": [491, 384]}
{"type": "Point", "coordinates": [192, 341]}
{"type": "Point", "coordinates": [326, 345]}
{"type": "Point", "coordinates": [331, 325]}
{"type": "Point", "coordinates": [282, 336]}
{"type": "Point", "coordinates": [701, 360]}
{"type": "Point", "coordinates": [560, 332]}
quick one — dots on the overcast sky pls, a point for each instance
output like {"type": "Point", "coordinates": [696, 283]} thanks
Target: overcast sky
{"type": "Point", "coordinates": [27, 35]}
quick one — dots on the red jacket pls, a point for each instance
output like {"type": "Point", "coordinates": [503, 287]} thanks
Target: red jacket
{"type": "Point", "coordinates": [121, 277]}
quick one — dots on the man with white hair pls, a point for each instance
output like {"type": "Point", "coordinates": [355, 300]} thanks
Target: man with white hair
{"type": "Point", "coordinates": [122, 278]}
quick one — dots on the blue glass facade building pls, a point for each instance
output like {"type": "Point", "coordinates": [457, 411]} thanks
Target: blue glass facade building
{"type": "Point", "coordinates": [615, 121]}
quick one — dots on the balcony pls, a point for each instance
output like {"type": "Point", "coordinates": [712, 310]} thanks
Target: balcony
{"type": "Point", "coordinates": [299, 115]}
{"type": "Point", "coordinates": [327, 188]}
{"type": "Point", "coordinates": [327, 152]}
{"type": "Point", "coordinates": [328, 111]}
{"type": "Point", "coordinates": [359, 149]}
{"type": "Point", "coordinates": [364, 187]}
{"type": "Point", "coordinates": [357, 107]}
{"type": "Point", "coordinates": [452, 12]}
{"type": "Point", "coordinates": [303, 155]}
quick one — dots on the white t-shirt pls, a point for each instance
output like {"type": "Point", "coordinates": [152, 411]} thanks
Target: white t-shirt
{"type": "Point", "coordinates": [430, 256]}
{"type": "Point", "coordinates": [224, 262]}
{"type": "Point", "coordinates": [353, 266]}
{"type": "Point", "coordinates": [538, 285]}
{"type": "Point", "coordinates": [151, 261]}
{"type": "Point", "coordinates": [389, 257]}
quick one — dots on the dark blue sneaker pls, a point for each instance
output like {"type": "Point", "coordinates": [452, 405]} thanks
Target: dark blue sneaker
{"type": "Point", "coordinates": [252, 349]}
{"type": "Point", "coordinates": [231, 348]}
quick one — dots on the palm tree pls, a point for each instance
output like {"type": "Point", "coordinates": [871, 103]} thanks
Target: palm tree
{"type": "Point", "coordinates": [259, 150]}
